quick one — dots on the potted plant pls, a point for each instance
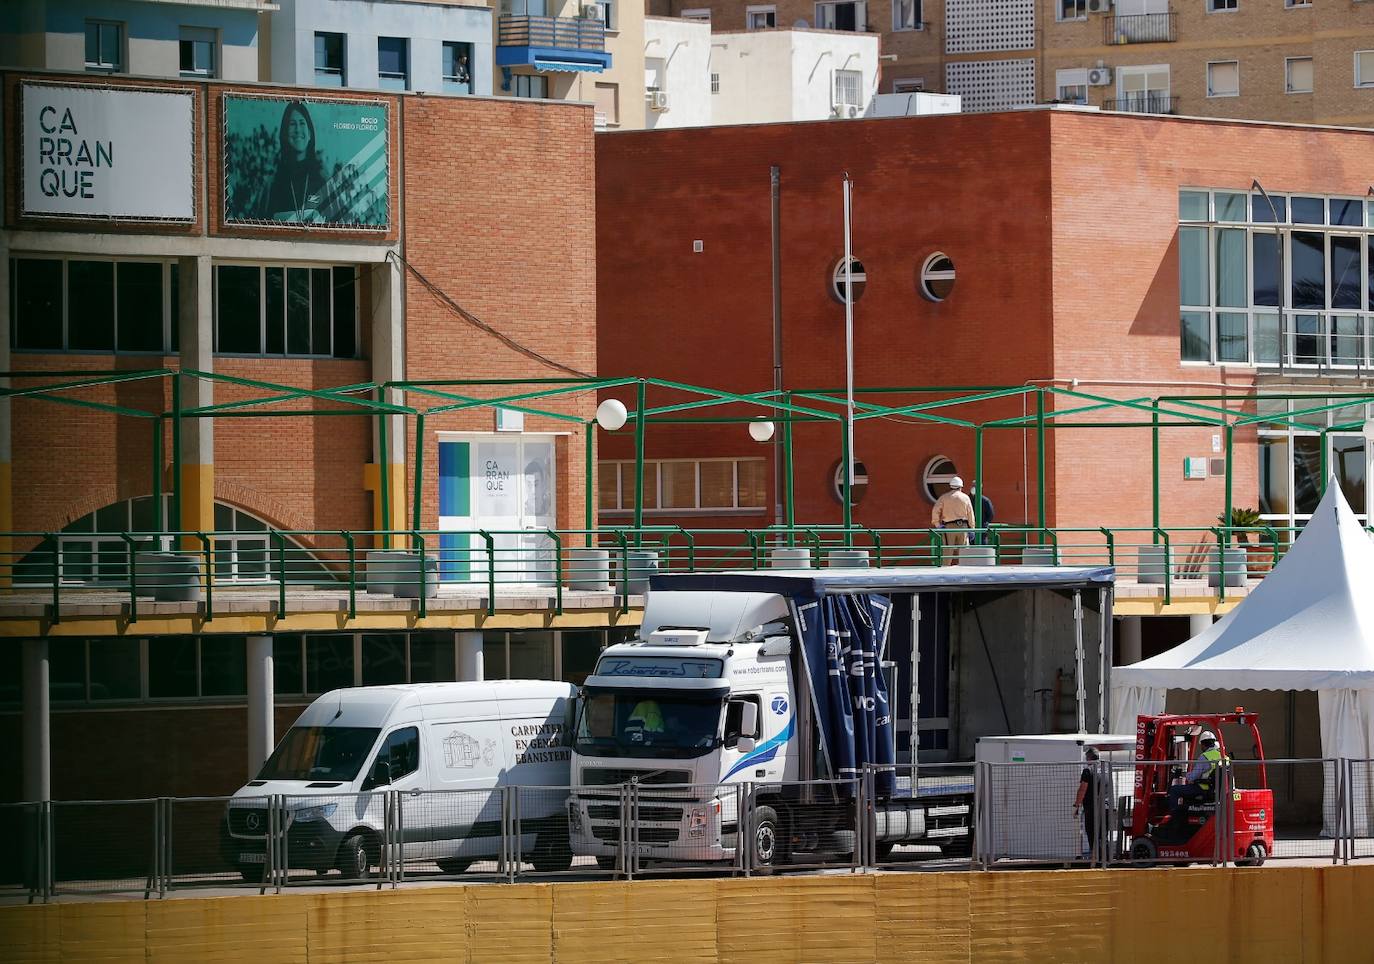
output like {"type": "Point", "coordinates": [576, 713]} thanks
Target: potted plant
{"type": "Point", "coordinates": [1241, 519]}
{"type": "Point", "coordinates": [1259, 555]}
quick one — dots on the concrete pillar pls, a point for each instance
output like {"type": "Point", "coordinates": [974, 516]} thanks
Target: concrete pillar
{"type": "Point", "coordinates": [1199, 624]}
{"type": "Point", "coordinates": [470, 668]}
{"type": "Point", "coordinates": [388, 364]}
{"type": "Point", "coordinates": [196, 338]}
{"type": "Point", "coordinates": [37, 722]}
{"type": "Point", "coordinates": [261, 703]}
{"type": "Point", "coordinates": [1130, 629]}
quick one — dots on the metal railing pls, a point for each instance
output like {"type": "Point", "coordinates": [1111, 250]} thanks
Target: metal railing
{"type": "Point", "coordinates": [1149, 103]}
{"type": "Point", "coordinates": [1140, 28]}
{"type": "Point", "coordinates": [565, 33]}
{"type": "Point", "coordinates": [284, 571]}
{"type": "Point", "coordinates": [981, 816]}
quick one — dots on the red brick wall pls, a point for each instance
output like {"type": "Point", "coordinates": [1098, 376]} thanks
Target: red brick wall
{"type": "Point", "coordinates": [976, 188]}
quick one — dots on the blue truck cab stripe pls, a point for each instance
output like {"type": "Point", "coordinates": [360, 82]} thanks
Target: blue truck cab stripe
{"type": "Point", "coordinates": [766, 752]}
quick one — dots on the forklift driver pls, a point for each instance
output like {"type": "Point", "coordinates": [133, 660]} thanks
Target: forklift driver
{"type": "Point", "coordinates": [1198, 783]}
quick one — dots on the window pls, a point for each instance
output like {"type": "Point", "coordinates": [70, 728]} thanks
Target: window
{"type": "Point", "coordinates": [187, 667]}
{"type": "Point", "coordinates": [851, 16]}
{"type": "Point", "coordinates": [715, 83]}
{"type": "Point", "coordinates": [935, 477]}
{"type": "Point", "coordinates": [104, 46]}
{"type": "Point", "coordinates": [1144, 89]}
{"type": "Point", "coordinates": [607, 100]}
{"type": "Point", "coordinates": [1298, 74]}
{"type": "Point", "coordinates": [906, 15]}
{"type": "Point", "coordinates": [1071, 10]}
{"type": "Point", "coordinates": [1290, 458]}
{"type": "Point", "coordinates": [69, 304]}
{"type": "Point", "coordinates": [328, 662]}
{"type": "Point", "coordinates": [1364, 68]}
{"type": "Point", "coordinates": [734, 720]}
{"type": "Point", "coordinates": [848, 88]}
{"type": "Point", "coordinates": [432, 657]}
{"type": "Point", "coordinates": [457, 67]}
{"type": "Point", "coordinates": [705, 485]}
{"type": "Point", "coordinates": [605, 13]}
{"type": "Point", "coordinates": [1223, 79]}
{"type": "Point", "coordinates": [1297, 3]}
{"type": "Point", "coordinates": [937, 277]}
{"type": "Point", "coordinates": [401, 752]}
{"type": "Point", "coordinates": [393, 63]}
{"type": "Point", "coordinates": [1221, 6]}
{"type": "Point", "coordinates": [286, 310]}
{"type": "Point", "coordinates": [837, 481]}
{"type": "Point", "coordinates": [1071, 86]}
{"type": "Point", "coordinates": [761, 17]}
{"type": "Point", "coordinates": [910, 85]}
{"type": "Point", "coordinates": [857, 280]}
{"type": "Point", "coordinates": [329, 60]}
{"type": "Point", "coordinates": [696, 13]}
{"type": "Point", "coordinates": [198, 48]}
{"type": "Point", "coordinates": [530, 85]}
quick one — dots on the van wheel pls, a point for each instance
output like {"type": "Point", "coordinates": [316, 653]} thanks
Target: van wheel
{"type": "Point", "coordinates": [552, 854]}
{"type": "Point", "coordinates": [356, 857]}
{"type": "Point", "coordinates": [765, 840]}
{"type": "Point", "coordinates": [454, 865]}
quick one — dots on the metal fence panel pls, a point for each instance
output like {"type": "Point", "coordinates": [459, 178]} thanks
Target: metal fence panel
{"type": "Point", "coordinates": [930, 827]}
{"type": "Point", "coordinates": [204, 847]}
{"type": "Point", "coordinates": [804, 825]}
{"type": "Point", "coordinates": [24, 850]}
{"type": "Point", "coordinates": [1027, 815]}
{"type": "Point", "coordinates": [1305, 807]}
{"type": "Point", "coordinates": [449, 834]}
{"type": "Point", "coordinates": [1179, 826]}
{"type": "Point", "coordinates": [105, 846]}
{"type": "Point", "coordinates": [1359, 809]}
{"type": "Point", "coordinates": [332, 837]}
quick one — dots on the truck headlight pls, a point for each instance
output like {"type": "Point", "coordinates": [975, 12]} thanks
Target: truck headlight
{"type": "Point", "coordinates": [575, 818]}
{"type": "Point", "coordinates": [308, 814]}
{"type": "Point", "coordinates": [698, 818]}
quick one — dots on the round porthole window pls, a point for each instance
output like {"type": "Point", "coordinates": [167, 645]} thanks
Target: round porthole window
{"type": "Point", "coordinates": [935, 477]}
{"type": "Point", "coordinates": [837, 480]}
{"type": "Point", "coordinates": [937, 277]}
{"type": "Point", "coordinates": [857, 279]}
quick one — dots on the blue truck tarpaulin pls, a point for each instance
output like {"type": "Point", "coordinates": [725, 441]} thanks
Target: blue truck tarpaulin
{"type": "Point", "coordinates": [842, 639]}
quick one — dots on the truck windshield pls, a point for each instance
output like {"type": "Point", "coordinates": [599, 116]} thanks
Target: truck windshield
{"type": "Point", "coordinates": [647, 724]}
{"type": "Point", "coordinates": [320, 753]}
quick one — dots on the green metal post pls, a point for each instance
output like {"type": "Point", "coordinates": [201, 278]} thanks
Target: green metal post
{"type": "Point", "coordinates": [1154, 465]}
{"type": "Point", "coordinates": [157, 475]}
{"type": "Point", "coordinates": [846, 495]}
{"type": "Point", "coordinates": [589, 458]}
{"type": "Point", "coordinates": [1230, 458]}
{"type": "Point", "coordinates": [639, 461]}
{"type": "Point", "coordinates": [419, 469]}
{"type": "Point", "coordinates": [789, 479]}
{"type": "Point", "coordinates": [384, 479]}
{"type": "Point", "coordinates": [978, 477]}
{"type": "Point", "coordinates": [1040, 457]}
{"type": "Point", "coordinates": [176, 520]}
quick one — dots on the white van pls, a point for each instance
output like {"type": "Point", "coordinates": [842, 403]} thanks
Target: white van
{"type": "Point", "coordinates": [351, 745]}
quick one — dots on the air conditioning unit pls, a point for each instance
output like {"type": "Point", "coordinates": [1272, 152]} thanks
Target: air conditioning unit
{"type": "Point", "coordinates": [658, 100]}
{"type": "Point", "coordinates": [593, 11]}
{"type": "Point", "coordinates": [852, 110]}
{"type": "Point", "coordinates": [1099, 76]}
{"type": "Point", "coordinates": [1099, 6]}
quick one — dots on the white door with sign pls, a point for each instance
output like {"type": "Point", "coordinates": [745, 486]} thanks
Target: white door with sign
{"type": "Point", "coordinates": [504, 486]}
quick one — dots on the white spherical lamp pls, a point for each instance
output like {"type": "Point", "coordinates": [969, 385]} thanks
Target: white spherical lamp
{"type": "Point", "coordinates": [761, 431]}
{"type": "Point", "coordinates": [611, 414]}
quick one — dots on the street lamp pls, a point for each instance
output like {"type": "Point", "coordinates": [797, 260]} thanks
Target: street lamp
{"type": "Point", "coordinates": [761, 430]}
{"type": "Point", "coordinates": [611, 415]}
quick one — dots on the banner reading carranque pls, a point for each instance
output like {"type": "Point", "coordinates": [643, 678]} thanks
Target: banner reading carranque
{"type": "Point", "coordinates": [322, 163]}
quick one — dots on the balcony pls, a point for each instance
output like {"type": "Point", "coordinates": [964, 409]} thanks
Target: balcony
{"type": "Point", "coordinates": [1148, 103]}
{"type": "Point", "coordinates": [1140, 28]}
{"type": "Point", "coordinates": [552, 44]}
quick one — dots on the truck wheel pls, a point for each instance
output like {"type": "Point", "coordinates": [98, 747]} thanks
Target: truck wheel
{"type": "Point", "coordinates": [766, 839]}
{"type": "Point", "coordinates": [1254, 855]}
{"type": "Point", "coordinates": [355, 857]}
{"type": "Point", "coordinates": [552, 854]}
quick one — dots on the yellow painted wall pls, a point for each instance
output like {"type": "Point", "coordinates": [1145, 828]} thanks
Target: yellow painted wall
{"type": "Point", "coordinates": [1279, 914]}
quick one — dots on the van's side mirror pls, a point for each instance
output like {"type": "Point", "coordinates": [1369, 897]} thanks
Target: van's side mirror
{"type": "Point", "coordinates": [381, 774]}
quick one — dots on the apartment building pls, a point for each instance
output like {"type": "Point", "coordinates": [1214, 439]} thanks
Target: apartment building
{"type": "Point", "coordinates": [1301, 62]}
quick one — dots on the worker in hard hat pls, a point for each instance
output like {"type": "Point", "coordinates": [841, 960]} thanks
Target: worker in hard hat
{"type": "Point", "coordinates": [1200, 782]}
{"type": "Point", "coordinates": [953, 516]}
{"type": "Point", "coordinates": [648, 715]}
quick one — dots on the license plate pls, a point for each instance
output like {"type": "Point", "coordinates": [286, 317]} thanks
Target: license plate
{"type": "Point", "coordinates": [252, 858]}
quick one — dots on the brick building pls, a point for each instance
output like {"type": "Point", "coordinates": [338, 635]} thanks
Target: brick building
{"type": "Point", "coordinates": [1120, 256]}
{"type": "Point", "coordinates": [1297, 62]}
{"type": "Point", "coordinates": [155, 225]}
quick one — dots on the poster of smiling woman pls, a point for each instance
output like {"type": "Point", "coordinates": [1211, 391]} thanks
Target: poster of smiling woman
{"type": "Point", "coordinates": [313, 162]}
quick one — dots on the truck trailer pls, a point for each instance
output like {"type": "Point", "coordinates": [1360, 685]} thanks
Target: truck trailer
{"type": "Point", "coordinates": [766, 698]}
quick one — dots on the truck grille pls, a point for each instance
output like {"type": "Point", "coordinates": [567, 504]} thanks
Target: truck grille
{"type": "Point", "coordinates": [652, 814]}
{"type": "Point", "coordinates": [610, 776]}
{"type": "Point", "coordinates": [248, 821]}
{"type": "Point", "coordinates": [647, 835]}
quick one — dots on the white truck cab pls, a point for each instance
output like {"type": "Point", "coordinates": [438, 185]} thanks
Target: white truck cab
{"type": "Point", "coordinates": [331, 771]}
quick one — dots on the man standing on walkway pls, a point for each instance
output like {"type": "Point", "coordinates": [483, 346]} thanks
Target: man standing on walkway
{"type": "Point", "coordinates": [953, 514]}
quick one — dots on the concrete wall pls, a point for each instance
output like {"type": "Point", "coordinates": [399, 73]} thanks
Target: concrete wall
{"type": "Point", "coordinates": [781, 75]}
{"type": "Point", "coordinates": [426, 25]}
{"type": "Point", "coordinates": [1274, 915]}
{"type": "Point", "coordinates": [52, 35]}
{"type": "Point", "coordinates": [678, 53]}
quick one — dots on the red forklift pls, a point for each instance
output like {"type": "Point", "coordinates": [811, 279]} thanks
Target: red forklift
{"type": "Point", "coordinates": [1189, 831]}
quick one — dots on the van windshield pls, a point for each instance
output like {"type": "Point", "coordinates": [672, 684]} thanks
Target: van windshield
{"type": "Point", "coordinates": [320, 753]}
{"type": "Point", "coordinates": [647, 724]}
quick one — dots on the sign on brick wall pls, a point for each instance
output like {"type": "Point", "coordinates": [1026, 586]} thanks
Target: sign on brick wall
{"type": "Point", "coordinates": [322, 163]}
{"type": "Point", "coordinates": [102, 152]}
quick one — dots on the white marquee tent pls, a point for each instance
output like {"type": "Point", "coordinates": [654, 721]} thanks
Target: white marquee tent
{"type": "Point", "coordinates": [1309, 625]}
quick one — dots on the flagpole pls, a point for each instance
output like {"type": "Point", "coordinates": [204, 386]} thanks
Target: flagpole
{"type": "Point", "coordinates": [848, 358]}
